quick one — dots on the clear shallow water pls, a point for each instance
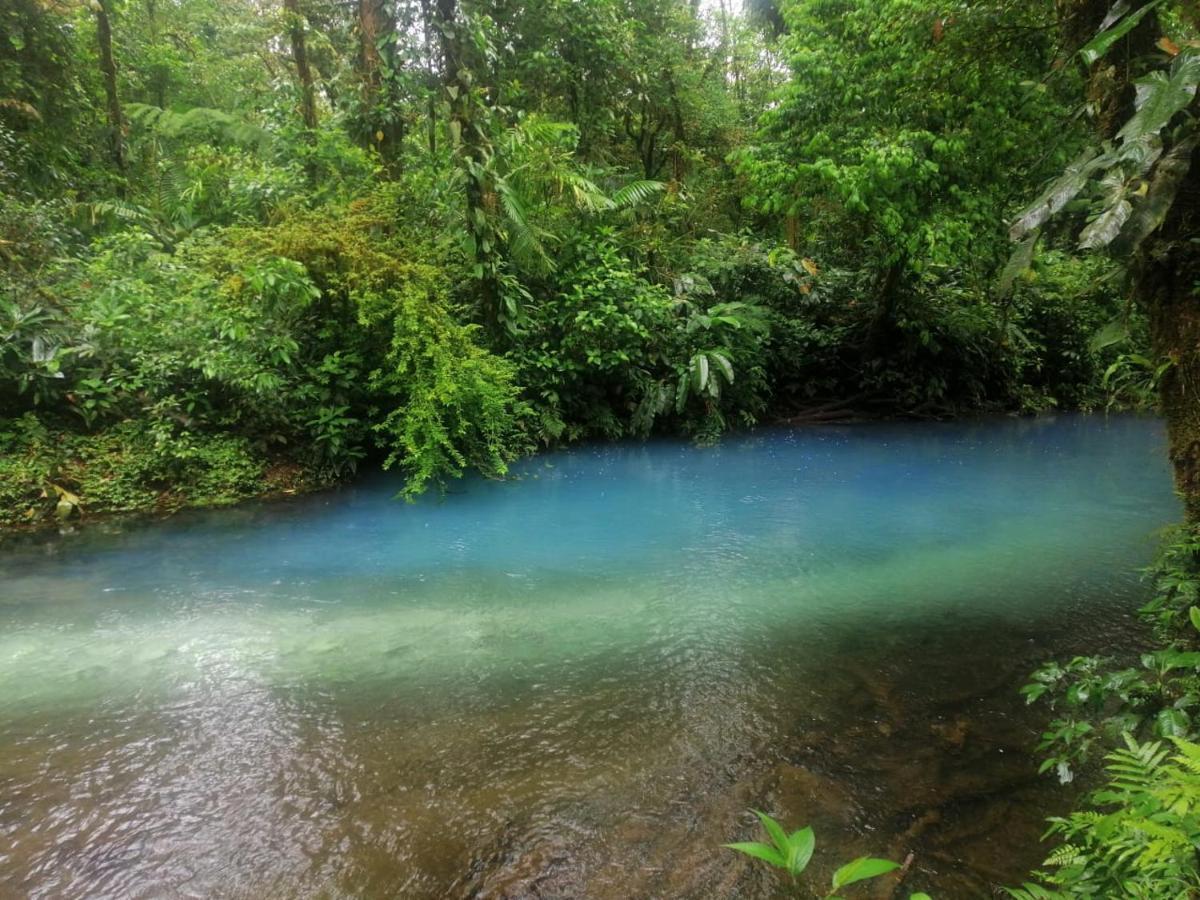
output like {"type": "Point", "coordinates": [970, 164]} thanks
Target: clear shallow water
{"type": "Point", "coordinates": [572, 683]}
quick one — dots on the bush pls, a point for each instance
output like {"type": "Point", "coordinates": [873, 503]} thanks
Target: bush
{"type": "Point", "coordinates": [129, 467]}
{"type": "Point", "coordinates": [599, 349]}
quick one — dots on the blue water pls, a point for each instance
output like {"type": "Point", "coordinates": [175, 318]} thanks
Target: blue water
{"type": "Point", "coordinates": [569, 683]}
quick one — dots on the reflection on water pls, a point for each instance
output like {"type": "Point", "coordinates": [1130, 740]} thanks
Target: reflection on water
{"type": "Point", "coordinates": [573, 683]}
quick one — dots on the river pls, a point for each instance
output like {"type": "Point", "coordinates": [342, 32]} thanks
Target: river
{"type": "Point", "coordinates": [575, 682]}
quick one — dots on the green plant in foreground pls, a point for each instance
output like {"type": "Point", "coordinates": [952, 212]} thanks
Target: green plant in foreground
{"type": "Point", "coordinates": [794, 852]}
{"type": "Point", "coordinates": [1140, 836]}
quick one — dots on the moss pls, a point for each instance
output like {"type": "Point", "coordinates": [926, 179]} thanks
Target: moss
{"type": "Point", "coordinates": [130, 468]}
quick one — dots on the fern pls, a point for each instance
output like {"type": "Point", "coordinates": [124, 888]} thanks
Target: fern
{"type": "Point", "coordinates": [199, 121]}
{"type": "Point", "coordinates": [635, 193]}
{"type": "Point", "coordinates": [1140, 840]}
{"type": "Point", "coordinates": [121, 210]}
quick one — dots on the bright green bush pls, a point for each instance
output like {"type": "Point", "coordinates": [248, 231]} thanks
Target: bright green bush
{"type": "Point", "coordinates": [385, 360]}
{"type": "Point", "coordinates": [1136, 836]}
{"type": "Point", "coordinates": [449, 404]}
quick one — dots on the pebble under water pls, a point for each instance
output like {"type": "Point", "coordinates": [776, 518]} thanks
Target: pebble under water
{"type": "Point", "coordinates": [573, 683]}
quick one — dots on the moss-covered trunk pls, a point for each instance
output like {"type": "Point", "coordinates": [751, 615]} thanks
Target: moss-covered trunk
{"type": "Point", "coordinates": [1167, 284]}
{"type": "Point", "coordinates": [308, 97]}
{"type": "Point", "coordinates": [108, 69]}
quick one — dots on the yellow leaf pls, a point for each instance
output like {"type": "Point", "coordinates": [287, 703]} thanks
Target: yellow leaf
{"type": "Point", "coordinates": [379, 137]}
{"type": "Point", "coordinates": [810, 267]}
{"type": "Point", "coordinates": [1168, 46]}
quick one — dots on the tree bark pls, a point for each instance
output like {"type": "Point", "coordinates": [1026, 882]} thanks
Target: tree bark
{"type": "Point", "coordinates": [471, 147]}
{"type": "Point", "coordinates": [308, 95]}
{"type": "Point", "coordinates": [428, 27]}
{"type": "Point", "coordinates": [108, 69]}
{"type": "Point", "coordinates": [384, 127]}
{"type": "Point", "coordinates": [1167, 285]}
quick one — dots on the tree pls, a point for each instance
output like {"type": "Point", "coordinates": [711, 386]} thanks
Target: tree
{"type": "Point", "coordinates": [108, 71]}
{"type": "Point", "coordinates": [896, 142]}
{"type": "Point", "coordinates": [1143, 182]}
{"type": "Point", "coordinates": [308, 96]}
{"type": "Point", "coordinates": [465, 46]}
{"type": "Point", "coordinates": [383, 121]}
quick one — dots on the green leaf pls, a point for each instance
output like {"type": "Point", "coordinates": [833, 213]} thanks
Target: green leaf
{"type": "Point", "coordinates": [1114, 332]}
{"type": "Point", "coordinates": [800, 849]}
{"type": "Point", "coordinates": [760, 851]}
{"type": "Point", "coordinates": [1100, 44]}
{"type": "Point", "coordinates": [681, 393]}
{"type": "Point", "coordinates": [775, 830]}
{"type": "Point", "coordinates": [699, 380]}
{"type": "Point", "coordinates": [1160, 96]}
{"type": "Point", "coordinates": [1061, 191]}
{"type": "Point", "coordinates": [1171, 723]}
{"type": "Point", "coordinates": [724, 366]}
{"type": "Point", "coordinates": [861, 869]}
{"type": "Point", "coordinates": [1152, 210]}
{"type": "Point", "coordinates": [1018, 264]}
{"type": "Point", "coordinates": [636, 192]}
{"type": "Point", "coordinates": [1194, 615]}
{"type": "Point", "coordinates": [1103, 230]}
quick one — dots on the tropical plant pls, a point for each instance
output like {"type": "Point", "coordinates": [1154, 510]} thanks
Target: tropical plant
{"type": "Point", "coordinates": [793, 852]}
{"type": "Point", "coordinates": [1139, 835]}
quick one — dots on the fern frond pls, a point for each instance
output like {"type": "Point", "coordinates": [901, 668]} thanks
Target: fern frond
{"type": "Point", "coordinates": [1064, 856]}
{"type": "Point", "coordinates": [636, 192]}
{"type": "Point", "coordinates": [199, 120]}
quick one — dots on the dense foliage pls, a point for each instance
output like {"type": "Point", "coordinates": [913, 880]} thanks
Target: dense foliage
{"type": "Point", "coordinates": [246, 249]}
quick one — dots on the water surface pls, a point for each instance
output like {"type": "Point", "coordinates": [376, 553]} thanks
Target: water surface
{"type": "Point", "coordinates": [572, 683]}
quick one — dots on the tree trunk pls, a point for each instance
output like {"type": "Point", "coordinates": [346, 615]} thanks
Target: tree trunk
{"type": "Point", "coordinates": [159, 73]}
{"type": "Point", "coordinates": [1167, 284]}
{"type": "Point", "coordinates": [679, 135]}
{"type": "Point", "coordinates": [308, 96]}
{"type": "Point", "coordinates": [383, 125]}
{"type": "Point", "coordinates": [471, 147]}
{"type": "Point", "coordinates": [428, 28]}
{"type": "Point", "coordinates": [883, 320]}
{"type": "Point", "coordinates": [108, 69]}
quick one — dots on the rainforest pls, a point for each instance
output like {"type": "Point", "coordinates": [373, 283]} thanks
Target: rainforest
{"type": "Point", "coordinates": [600, 448]}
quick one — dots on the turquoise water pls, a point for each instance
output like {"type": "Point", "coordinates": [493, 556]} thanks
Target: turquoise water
{"type": "Point", "coordinates": [574, 682]}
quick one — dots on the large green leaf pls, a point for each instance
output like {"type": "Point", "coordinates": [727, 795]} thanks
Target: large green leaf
{"type": "Point", "coordinates": [636, 192]}
{"type": "Point", "coordinates": [1137, 156]}
{"type": "Point", "coordinates": [1103, 230]}
{"type": "Point", "coordinates": [800, 849]}
{"type": "Point", "coordinates": [1060, 193]}
{"type": "Point", "coordinates": [699, 382]}
{"type": "Point", "coordinates": [724, 366]}
{"type": "Point", "coordinates": [775, 830]}
{"type": "Point", "coordinates": [1100, 44]}
{"type": "Point", "coordinates": [1114, 332]}
{"type": "Point", "coordinates": [1160, 96]}
{"type": "Point", "coordinates": [861, 869]}
{"type": "Point", "coordinates": [1018, 263]}
{"type": "Point", "coordinates": [1152, 210]}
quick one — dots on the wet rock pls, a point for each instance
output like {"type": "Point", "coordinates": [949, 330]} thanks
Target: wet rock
{"type": "Point", "coordinates": [953, 733]}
